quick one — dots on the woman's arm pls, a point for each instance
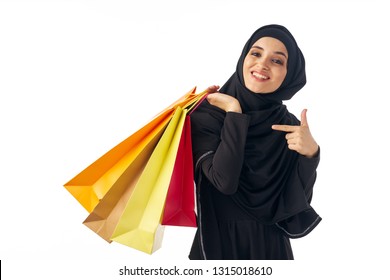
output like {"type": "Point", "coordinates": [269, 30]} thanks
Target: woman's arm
{"type": "Point", "coordinates": [223, 167]}
{"type": "Point", "coordinates": [307, 171]}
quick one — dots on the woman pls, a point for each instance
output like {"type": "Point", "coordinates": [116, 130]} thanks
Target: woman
{"type": "Point", "coordinates": [255, 163]}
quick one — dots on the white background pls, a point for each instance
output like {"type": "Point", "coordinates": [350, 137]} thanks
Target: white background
{"type": "Point", "coordinates": [78, 77]}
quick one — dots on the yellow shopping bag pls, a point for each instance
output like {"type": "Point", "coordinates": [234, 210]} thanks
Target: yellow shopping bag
{"type": "Point", "coordinates": [139, 226]}
{"type": "Point", "coordinates": [90, 185]}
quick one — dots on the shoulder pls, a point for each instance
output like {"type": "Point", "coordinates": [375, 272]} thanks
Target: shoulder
{"type": "Point", "coordinates": [207, 115]}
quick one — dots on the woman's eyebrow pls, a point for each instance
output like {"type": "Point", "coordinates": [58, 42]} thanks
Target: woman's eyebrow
{"type": "Point", "coordinates": [277, 52]}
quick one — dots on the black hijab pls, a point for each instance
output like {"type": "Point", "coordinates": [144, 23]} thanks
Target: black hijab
{"type": "Point", "coordinates": [269, 187]}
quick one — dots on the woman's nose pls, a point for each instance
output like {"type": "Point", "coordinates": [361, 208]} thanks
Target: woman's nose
{"type": "Point", "coordinates": [263, 64]}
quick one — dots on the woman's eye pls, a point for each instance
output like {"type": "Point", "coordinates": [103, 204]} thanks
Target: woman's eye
{"type": "Point", "coordinates": [277, 61]}
{"type": "Point", "coordinates": [257, 54]}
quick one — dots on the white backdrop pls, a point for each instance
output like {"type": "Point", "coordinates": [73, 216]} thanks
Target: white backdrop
{"type": "Point", "coordinates": [78, 77]}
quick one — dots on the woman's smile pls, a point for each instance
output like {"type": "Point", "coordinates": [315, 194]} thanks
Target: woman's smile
{"type": "Point", "coordinates": [259, 76]}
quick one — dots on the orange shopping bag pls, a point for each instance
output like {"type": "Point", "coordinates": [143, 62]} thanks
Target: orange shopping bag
{"type": "Point", "coordinates": [90, 185]}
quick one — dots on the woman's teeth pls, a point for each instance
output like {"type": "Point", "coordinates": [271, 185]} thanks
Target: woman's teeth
{"type": "Point", "coordinates": [259, 76]}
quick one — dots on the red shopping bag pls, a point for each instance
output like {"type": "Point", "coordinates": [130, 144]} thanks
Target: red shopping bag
{"type": "Point", "coordinates": [180, 201]}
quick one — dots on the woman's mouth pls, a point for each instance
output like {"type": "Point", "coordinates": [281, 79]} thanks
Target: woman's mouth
{"type": "Point", "coordinates": [260, 76]}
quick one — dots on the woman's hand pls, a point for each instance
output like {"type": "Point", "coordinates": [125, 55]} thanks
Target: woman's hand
{"type": "Point", "coordinates": [299, 138]}
{"type": "Point", "coordinates": [212, 89]}
{"type": "Point", "coordinates": [223, 101]}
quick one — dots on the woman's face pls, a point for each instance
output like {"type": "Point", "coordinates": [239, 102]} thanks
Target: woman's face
{"type": "Point", "coordinates": [265, 65]}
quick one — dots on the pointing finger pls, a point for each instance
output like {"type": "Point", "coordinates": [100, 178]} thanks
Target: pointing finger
{"type": "Point", "coordinates": [283, 127]}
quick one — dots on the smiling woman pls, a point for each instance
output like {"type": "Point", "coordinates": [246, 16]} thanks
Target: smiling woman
{"type": "Point", "coordinates": [255, 162]}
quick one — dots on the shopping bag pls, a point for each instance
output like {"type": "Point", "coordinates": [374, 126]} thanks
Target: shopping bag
{"type": "Point", "coordinates": [179, 207]}
{"type": "Point", "coordinates": [139, 226]}
{"type": "Point", "coordinates": [106, 187]}
{"type": "Point", "coordinates": [105, 216]}
{"type": "Point", "coordinates": [90, 185]}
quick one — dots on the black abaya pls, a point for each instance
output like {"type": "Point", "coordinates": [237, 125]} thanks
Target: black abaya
{"type": "Point", "coordinates": [253, 193]}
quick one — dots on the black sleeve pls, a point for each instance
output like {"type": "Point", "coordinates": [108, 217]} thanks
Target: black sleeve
{"type": "Point", "coordinates": [223, 167]}
{"type": "Point", "coordinates": [307, 171]}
